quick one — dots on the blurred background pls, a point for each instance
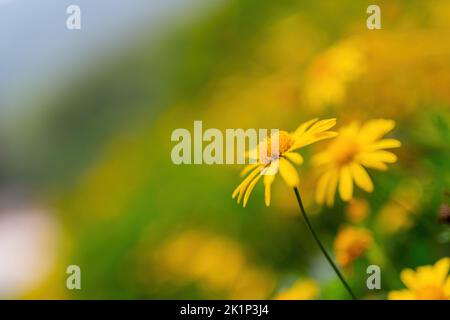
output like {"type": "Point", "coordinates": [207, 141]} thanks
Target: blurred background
{"type": "Point", "coordinates": [86, 117]}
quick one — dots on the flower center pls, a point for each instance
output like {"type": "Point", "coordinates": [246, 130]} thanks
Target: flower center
{"type": "Point", "coordinates": [430, 293]}
{"type": "Point", "coordinates": [285, 142]}
{"type": "Point", "coordinates": [344, 151]}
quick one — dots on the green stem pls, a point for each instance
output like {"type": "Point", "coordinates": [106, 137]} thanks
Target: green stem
{"type": "Point", "coordinates": [319, 243]}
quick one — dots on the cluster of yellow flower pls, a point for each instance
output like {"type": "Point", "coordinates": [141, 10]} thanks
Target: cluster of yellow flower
{"type": "Point", "coordinates": [215, 264]}
{"type": "Point", "coordinates": [343, 164]}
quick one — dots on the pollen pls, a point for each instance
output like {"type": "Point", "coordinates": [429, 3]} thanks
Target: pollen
{"type": "Point", "coordinates": [285, 142]}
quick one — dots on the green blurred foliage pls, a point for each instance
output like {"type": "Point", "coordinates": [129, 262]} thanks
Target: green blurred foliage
{"type": "Point", "coordinates": [103, 158]}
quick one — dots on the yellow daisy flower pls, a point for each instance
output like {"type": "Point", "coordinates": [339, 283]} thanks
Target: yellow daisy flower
{"type": "Point", "coordinates": [347, 157]}
{"type": "Point", "coordinates": [350, 244]}
{"type": "Point", "coordinates": [306, 134]}
{"type": "Point", "coordinates": [426, 283]}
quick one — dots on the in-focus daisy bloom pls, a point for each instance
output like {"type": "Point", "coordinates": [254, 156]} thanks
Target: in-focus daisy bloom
{"type": "Point", "coordinates": [350, 244]}
{"type": "Point", "coordinates": [426, 283]}
{"type": "Point", "coordinates": [356, 148]}
{"type": "Point", "coordinates": [266, 167]}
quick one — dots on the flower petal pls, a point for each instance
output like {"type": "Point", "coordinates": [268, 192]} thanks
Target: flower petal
{"type": "Point", "coordinates": [401, 295]}
{"type": "Point", "coordinates": [362, 179]}
{"type": "Point", "coordinates": [345, 183]}
{"type": "Point", "coordinates": [382, 156]}
{"type": "Point", "coordinates": [447, 288]}
{"type": "Point", "coordinates": [268, 179]}
{"type": "Point", "coordinates": [441, 270]}
{"type": "Point", "coordinates": [322, 187]}
{"type": "Point", "coordinates": [375, 129]}
{"type": "Point", "coordinates": [243, 185]}
{"type": "Point", "coordinates": [249, 190]}
{"type": "Point", "coordinates": [288, 173]}
{"type": "Point", "coordinates": [373, 164]}
{"type": "Point", "coordinates": [248, 168]}
{"type": "Point", "coordinates": [322, 125]}
{"type": "Point", "coordinates": [294, 157]}
{"type": "Point", "coordinates": [332, 184]}
{"type": "Point", "coordinates": [408, 277]}
{"type": "Point", "coordinates": [302, 128]}
{"type": "Point", "coordinates": [316, 132]}
{"type": "Point", "coordinates": [384, 144]}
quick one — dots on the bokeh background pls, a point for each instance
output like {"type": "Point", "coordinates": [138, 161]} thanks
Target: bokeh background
{"type": "Point", "coordinates": [86, 117]}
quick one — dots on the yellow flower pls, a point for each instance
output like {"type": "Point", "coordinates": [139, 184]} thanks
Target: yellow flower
{"type": "Point", "coordinates": [398, 213]}
{"type": "Point", "coordinates": [307, 133]}
{"type": "Point", "coordinates": [300, 290]}
{"type": "Point", "coordinates": [351, 243]}
{"type": "Point", "coordinates": [426, 283]}
{"type": "Point", "coordinates": [214, 263]}
{"type": "Point", "coordinates": [344, 161]}
{"type": "Point", "coordinates": [331, 72]}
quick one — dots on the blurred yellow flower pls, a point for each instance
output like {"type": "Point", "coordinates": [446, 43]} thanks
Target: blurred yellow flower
{"type": "Point", "coordinates": [330, 73]}
{"type": "Point", "coordinates": [393, 218]}
{"type": "Point", "coordinates": [351, 243]}
{"type": "Point", "coordinates": [300, 290]}
{"type": "Point", "coordinates": [426, 283]}
{"type": "Point", "coordinates": [344, 161]}
{"type": "Point", "coordinates": [398, 214]}
{"type": "Point", "coordinates": [307, 133]}
{"type": "Point", "coordinates": [357, 210]}
{"type": "Point", "coordinates": [215, 263]}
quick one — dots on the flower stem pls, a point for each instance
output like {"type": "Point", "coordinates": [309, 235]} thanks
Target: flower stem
{"type": "Point", "coordinates": [319, 243]}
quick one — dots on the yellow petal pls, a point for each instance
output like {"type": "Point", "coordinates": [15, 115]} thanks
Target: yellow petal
{"type": "Point", "coordinates": [441, 270]}
{"type": "Point", "coordinates": [374, 164]}
{"type": "Point", "coordinates": [272, 169]}
{"type": "Point", "coordinates": [304, 136]}
{"type": "Point", "coordinates": [408, 277]}
{"type": "Point", "coordinates": [322, 187]}
{"type": "Point", "coordinates": [294, 157]}
{"type": "Point", "coordinates": [302, 128]}
{"type": "Point", "coordinates": [332, 184]}
{"type": "Point", "coordinates": [381, 156]}
{"type": "Point", "coordinates": [375, 129]}
{"type": "Point", "coordinates": [322, 125]}
{"type": "Point", "coordinates": [267, 187]}
{"type": "Point", "coordinates": [384, 144]}
{"type": "Point", "coordinates": [248, 168]}
{"type": "Point", "coordinates": [361, 177]}
{"type": "Point", "coordinates": [345, 183]}
{"type": "Point", "coordinates": [447, 287]}
{"type": "Point", "coordinates": [401, 295]}
{"type": "Point", "coordinates": [243, 185]}
{"type": "Point", "coordinates": [249, 189]}
{"type": "Point", "coordinates": [288, 173]}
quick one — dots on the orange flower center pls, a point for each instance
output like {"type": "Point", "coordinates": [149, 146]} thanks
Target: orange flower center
{"type": "Point", "coordinates": [285, 142]}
